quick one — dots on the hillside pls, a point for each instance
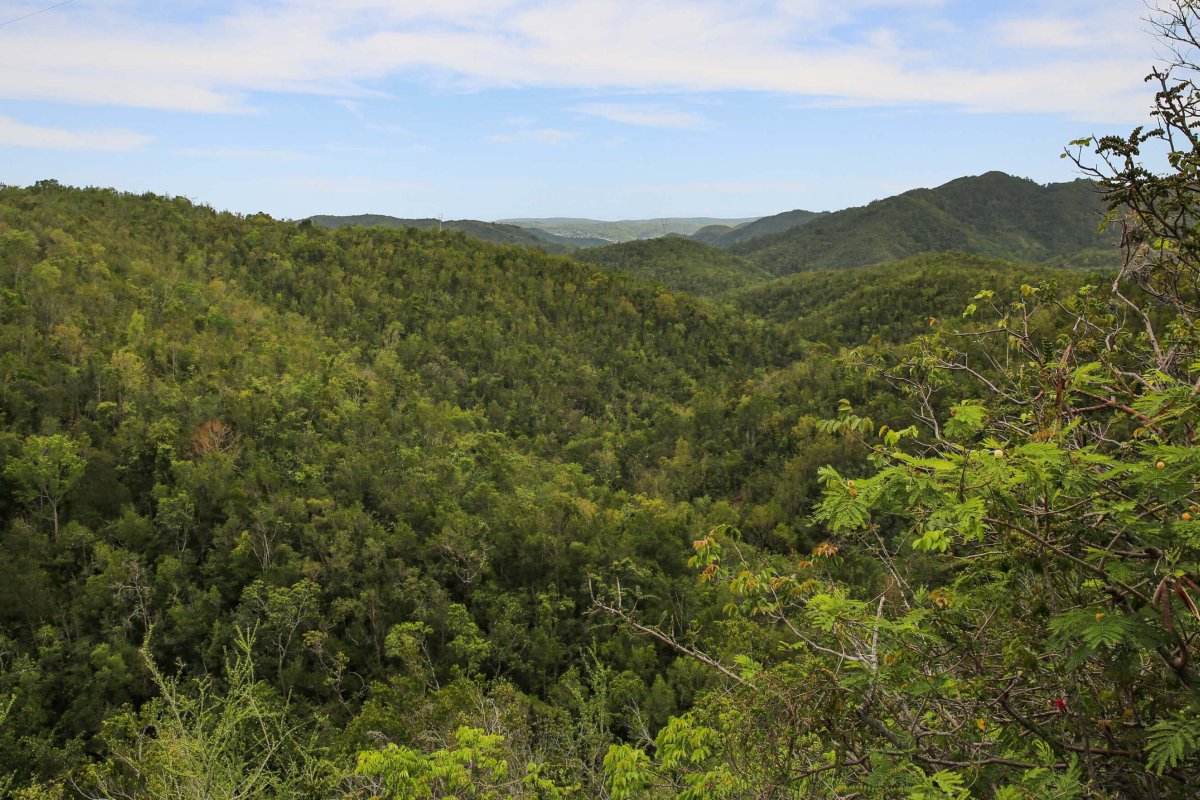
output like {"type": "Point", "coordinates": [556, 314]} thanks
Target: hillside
{"type": "Point", "coordinates": [893, 302]}
{"type": "Point", "coordinates": [681, 264]}
{"type": "Point", "coordinates": [621, 230]}
{"type": "Point", "coordinates": [727, 237]}
{"type": "Point", "coordinates": [994, 214]}
{"type": "Point", "coordinates": [487, 231]}
{"type": "Point", "coordinates": [338, 437]}
{"type": "Point", "coordinates": [371, 492]}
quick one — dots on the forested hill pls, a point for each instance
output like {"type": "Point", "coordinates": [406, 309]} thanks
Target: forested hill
{"type": "Point", "coordinates": [678, 263]}
{"type": "Point", "coordinates": [894, 302]}
{"type": "Point", "coordinates": [346, 440]}
{"type": "Point", "coordinates": [992, 214]}
{"type": "Point", "coordinates": [497, 232]}
{"type": "Point", "coordinates": [726, 237]}
{"type": "Point", "coordinates": [383, 512]}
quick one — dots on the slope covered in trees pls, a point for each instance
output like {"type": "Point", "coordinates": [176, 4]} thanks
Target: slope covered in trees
{"type": "Point", "coordinates": [895, 302]}
{"type": "Point", "coordinates": [392, 458]}
{"type": "Point", "coordinates": [678, 263]}
{"type": "Point", "coordinates": [726, 237]}
{"type": "Point", "coordinates": [994, 215]}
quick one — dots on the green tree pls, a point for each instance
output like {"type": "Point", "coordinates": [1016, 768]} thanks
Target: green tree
{"type": "Point", "coordinates": [45, 471]}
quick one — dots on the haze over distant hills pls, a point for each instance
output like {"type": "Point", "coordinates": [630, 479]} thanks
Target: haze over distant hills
{"type": "Point", "coordinates": [622, 230]}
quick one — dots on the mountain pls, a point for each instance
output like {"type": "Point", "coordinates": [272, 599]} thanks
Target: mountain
{"type": "Point", "coordinates": [621, 230]}
{"type": "Point", "coordinates": [726, 237]}
{"type": "Point", "coordinates": [487, 231]}
{"type": "Point", "coordinates": [992, 214]}
{"type": "Point", "coordinates": [679, 263]}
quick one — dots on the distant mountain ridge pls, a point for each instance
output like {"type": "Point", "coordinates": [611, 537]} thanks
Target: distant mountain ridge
{"type": "Point", "coordinates": [994, 214]}
{"type": "Point", "coordinates": [624, 230]}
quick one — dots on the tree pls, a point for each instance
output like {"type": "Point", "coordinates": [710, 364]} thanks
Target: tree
{"type": "Point", "coordinates": [47, 468]}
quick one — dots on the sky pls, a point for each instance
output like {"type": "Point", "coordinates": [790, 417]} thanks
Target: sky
{"type": "Point", "coordinates": [623, 109]}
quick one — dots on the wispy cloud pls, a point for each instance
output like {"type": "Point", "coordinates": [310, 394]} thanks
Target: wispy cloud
{"type": "Point", "coordinates": [242, 152]}
{"type": "Point", "coordinates": [18, 134]}
{"type": "Point", "coordinates": [648, 115]}
{"type": "Point", "coordinates": [356, 109]}
{"type": "Point", "coordinates": [548, 136]}
{"type": "Point", "coordinates": [109, 54]}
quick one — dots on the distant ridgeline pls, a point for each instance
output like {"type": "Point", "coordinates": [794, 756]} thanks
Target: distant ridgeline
{"type": "Point", "coordinates": [993, 215]}
{"type": "Point", "coordinates": [497, 232]}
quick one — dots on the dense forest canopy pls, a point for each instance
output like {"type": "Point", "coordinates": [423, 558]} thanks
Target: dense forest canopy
{"type": "Point", "coordinates": [299, 511]}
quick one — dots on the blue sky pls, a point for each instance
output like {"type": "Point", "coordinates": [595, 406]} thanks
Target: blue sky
{"type": "Point", "coordinates": [504, 108]}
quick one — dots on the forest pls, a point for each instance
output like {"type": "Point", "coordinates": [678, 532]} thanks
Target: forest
{"type": "Point", "coordinates": [295, 511]}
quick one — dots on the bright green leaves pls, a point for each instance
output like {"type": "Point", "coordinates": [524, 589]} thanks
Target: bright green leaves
{"type": "Point", "coordinates": [827, 610]}
{"type": "Point", "coordinates": [474, 767]}
{"type": "Point", "coordinates": [847, 421]}
{"type": "Point", "coordinates": [932, 540]}
{"type": "Point", "coordinates": [627, 772]}
{"type": "Point", "coordinates": [687, 766]}
{"type": "Point", "coordinates": [843, 507]}
{"type": "Point", "coordinates": [966, 419]}
{"type": "Point", "coordinates": [941, 785]}
{"type": "Point", "coordinates": [1172, 740]}
{"type": "Point", "coordinates": [1097, 628]}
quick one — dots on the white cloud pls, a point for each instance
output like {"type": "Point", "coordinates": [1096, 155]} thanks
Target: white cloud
{"type": "Point", "coordinates": [17, 134]}
{"type": "Point", "coordinates": [549, 136]}
{"type": "Point", "coordinates": [1085, 31]}
{"type": "Point", "coordinates": [106, 54]}
{"type": "Point", "coordinates": [649, 115]}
